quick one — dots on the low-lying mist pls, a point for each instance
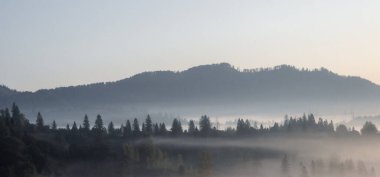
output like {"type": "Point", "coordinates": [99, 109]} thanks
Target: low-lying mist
{"type": "Point", "coordinates": [304, 156]}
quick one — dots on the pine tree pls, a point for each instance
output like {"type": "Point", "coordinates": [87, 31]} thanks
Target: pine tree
{"type": "Point", "coordinates": [148, 126]}
{"type": "Point", "coordinates": [99, 127]}
{"type": "Point", "coordinates": [99, 123]}
{"type": "Point", "coordinates": [40, 122]}
{"type": "Point", "coordinates": [86, 123]}
{"type": "Point", "coordinates": [205, 126]}
{"type": "Point", "coordinates": [163, 130]}
{"type": "Point", "coordinates": [111, 129]}
{"type": "Point", "coordinates": [127, 129]}
{"type": "Point", "coordinates": [156, 129]}
{"type": "Point", "coordinates": [191, 129]}
{"type": "Point", "coordinates": [136, 128]}
{"type": "Point", "coordinates": [143, 129]}
{"type": "Point", "coordinates": [15, 111]}
{"type": "Point", "coordinates": [54, 125]}
{"type": "Point", "coordinates": [74, 128]}
{"type": "Point", "coordinates": [176, 128]}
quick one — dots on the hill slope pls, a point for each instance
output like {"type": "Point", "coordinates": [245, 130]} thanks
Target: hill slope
{"type": "Point", "coordinates": [215, 87]}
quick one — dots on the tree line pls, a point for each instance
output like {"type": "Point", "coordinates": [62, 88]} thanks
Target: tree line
{"type": "Point", "coordinates": [29, 148]}
{"type": "Point", "coordinates": [13, 121]}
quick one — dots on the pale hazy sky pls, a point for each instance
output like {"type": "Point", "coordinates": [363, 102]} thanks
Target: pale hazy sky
{"type": "Point", "coordinates": [50, 43]}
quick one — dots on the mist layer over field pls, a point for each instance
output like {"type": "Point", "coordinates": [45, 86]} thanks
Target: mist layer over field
{"type": "Point", "coordinates": [306, 156]}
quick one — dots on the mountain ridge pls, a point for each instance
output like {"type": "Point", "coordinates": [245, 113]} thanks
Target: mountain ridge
{"type": "Point", "coordinates": [225, 66]}
{"type": "Point", "coordinates": [207, 85]}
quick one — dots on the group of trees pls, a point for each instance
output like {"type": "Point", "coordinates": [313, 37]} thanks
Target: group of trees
{"type": "Point", "coordinates": [304, 125]}
{"type": "Point", "coordinates": [31, 148]}
{"type": "Point", "coordinates": [133, 129]}
{"type": "Point", "coordinates": [28, 149]}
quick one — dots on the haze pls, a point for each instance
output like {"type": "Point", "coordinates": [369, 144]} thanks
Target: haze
{"type": "Point", "coordinates": [61, 43]}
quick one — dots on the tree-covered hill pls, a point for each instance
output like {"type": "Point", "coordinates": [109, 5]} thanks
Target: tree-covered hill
{"type": "Point", "coordinates": [216, 86]}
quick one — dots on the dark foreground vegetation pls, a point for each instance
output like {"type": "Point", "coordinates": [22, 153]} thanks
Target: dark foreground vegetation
{"type": "Point", "coordinates": [152, 149]}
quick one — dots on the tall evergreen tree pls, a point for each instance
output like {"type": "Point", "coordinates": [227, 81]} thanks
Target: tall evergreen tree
{"type": "Point", "coordinates": [99, 123]}
{"type": "Point", "coordinates": [54, 125]}
{"type": "Point", "coordinates": [163, 130]}
{"type": "Point", "coordinates": [86, 123]}
{"type": "Point", "coordinates": [191, 129]}
{"type": "Point", "coordinates": [111, 129]}
{"type": "Point", "coordinates": [156, 129]}
{"type": "Point", "coordinates": [74, 128]}
{"type": "Point", "coordinates": [136, 128]}
{"type": "Point", "coordinates": [143, 129]}
{"type": "Point", "coordinates": [15, 111]}
{"type": "Point", "coordinates": [127, 129]}
{"type": "Point", "coordinates": [176, 129]}
{"type": "Point", "coordinates": [148, 126]}
{"type": "Point", "coordinates": [40, 122]}
{"type": "Point", "coordinates": [99, 128]}
{"type": "Point", "coordinates": [205, 126]}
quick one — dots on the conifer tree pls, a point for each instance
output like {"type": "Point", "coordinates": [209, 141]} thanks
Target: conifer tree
{"type": "Point", "coordinates": [136, 128]}
{"type": "Point", "coordinates": [205, 126]}
{"type": "Point", "coordinates": [111, 129]}
{"type": "Point", "coordinates": [74, 128]}
{"type": "Point", "coordinates": [163, 130]}
{"type": "Point", "coordinates": [127, 129]}
{"type": "Point", "coordinates": [148, 126]}
{"type": "Point", "coordinates": [191, 129]}
{"type": "Point", "coordinates": [99, 123]}
{"type": "Point", "coordinates": [176, 129]}
{"type": "Point", "coordinates": [86, 123]}
{"type": "Point", "coordinates": [54, 125]}
{"type": "Point", "coordinates": [40, 122]}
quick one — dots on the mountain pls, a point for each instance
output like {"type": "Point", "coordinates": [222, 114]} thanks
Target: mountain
{"type": "Point", "coordinates": [5, 91]}
{"type": "Point", "coordinates": [216, 88]}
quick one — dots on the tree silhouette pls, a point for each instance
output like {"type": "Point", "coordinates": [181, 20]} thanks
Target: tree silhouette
{"type": "Point", "coordinates": [148, 126]}
{"type": "Point", "coordinates": [369, 129]}
{"type": "Point", "coordinates": [40, 122]}
{"type": "Point", "coordinates": [205, 126]}
{"type": "Point", "coordinates": [99, 123]}
{"type": "Point", "coordinates": [54, 125]}
{"type": "Point", "coordinates": [136, 128]}
{"type": "Point", "coordinates": [156, 129]}
{"type": "Point", "coordinates": [74, 128]}
{"type": "Point", "coordinates": [127, 129]}
{"type": "Point", "coordinates": [163, 130]}
{"type": "Point", "coordinates": [99, 127]}
{"type": "Point", "coordinates": [176, 129]}
{"type": "Point", "coordinates": [341, 130]}
{"type": "Point", "coordinates": [111, 129]}
{"type": "Point", "coordinates": [191, 129]}
{"type": "Point", "coordinates": [86, 123]}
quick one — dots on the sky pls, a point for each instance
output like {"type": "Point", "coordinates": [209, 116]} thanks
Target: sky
{"type": "Point", "coordinates": [54, 43]}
